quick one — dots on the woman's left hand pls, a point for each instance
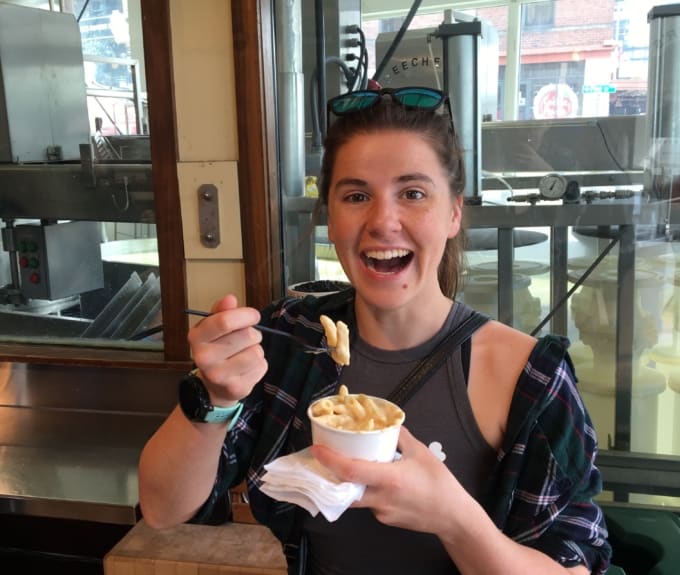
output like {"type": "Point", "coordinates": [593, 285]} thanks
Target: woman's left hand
{"type": "Point", "coordinates": [417, 492]}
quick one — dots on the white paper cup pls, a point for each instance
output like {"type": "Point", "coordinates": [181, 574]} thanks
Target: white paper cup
{"type": "Point", "coordinates": [373, 445]}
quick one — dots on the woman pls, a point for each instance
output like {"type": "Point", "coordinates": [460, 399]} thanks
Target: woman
{"type": "Point", "coordinates": [496, 473]}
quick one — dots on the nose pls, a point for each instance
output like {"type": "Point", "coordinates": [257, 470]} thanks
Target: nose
{"type": "Point", "coordinates": [384, 217]}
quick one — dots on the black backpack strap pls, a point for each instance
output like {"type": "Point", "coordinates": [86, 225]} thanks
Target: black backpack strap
{"type": "Point", "coordinates": [422, 372]}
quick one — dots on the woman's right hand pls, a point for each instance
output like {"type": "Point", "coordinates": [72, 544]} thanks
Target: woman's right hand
{"type": "Point", "coordinates": [227, 351]}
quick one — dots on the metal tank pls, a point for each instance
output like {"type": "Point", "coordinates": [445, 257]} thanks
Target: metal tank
{"type": "Point", "coordinates": [663, 102]}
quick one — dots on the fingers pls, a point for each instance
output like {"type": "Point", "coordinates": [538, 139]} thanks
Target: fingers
{"type": "Point", "coordinates": [371, 473]}
{"type": "Point", "coordinates": [229, 301]}
{"type": "Point", "coordinates": [348, 469]}
{"type": "Point", "coordinates": [236, 373]}
{"type": "Point", "coordinates": [226, 349]}
{"type": "Point", "coordinates": [226, 317]}
{"type": "Point", "coordinates": [359, 470]}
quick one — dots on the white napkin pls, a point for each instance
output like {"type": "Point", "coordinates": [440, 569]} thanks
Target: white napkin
{"type": "Point", "coordinates": [299, 478]}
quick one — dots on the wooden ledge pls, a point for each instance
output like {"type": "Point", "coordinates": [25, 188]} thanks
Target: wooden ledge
{"type": "Point", "coordinates": [234, 548]}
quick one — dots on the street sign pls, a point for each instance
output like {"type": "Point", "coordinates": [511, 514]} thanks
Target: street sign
{"type": "Point", "coordinates": [598, 89]}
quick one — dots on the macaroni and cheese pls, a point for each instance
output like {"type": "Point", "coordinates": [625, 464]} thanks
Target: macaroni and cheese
{"type": "Point", "coordinates": [356, 412]}
{"type": "Point", "coordinates": [337, 337]}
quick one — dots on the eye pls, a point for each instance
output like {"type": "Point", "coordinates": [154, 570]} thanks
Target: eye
{"type": "Point", "coordinates": [355, 197]}
{"type": "Point", "coordinates": [414, 194]}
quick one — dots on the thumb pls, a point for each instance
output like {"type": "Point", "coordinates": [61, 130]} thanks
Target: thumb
{"type": "Point", "coordinates": [229, 301]}
{"type": "Point", "coordinates": [345, 468]}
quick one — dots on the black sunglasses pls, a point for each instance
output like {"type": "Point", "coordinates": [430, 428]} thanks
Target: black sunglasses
{"type": "Point", "coordinates": [412, 98]}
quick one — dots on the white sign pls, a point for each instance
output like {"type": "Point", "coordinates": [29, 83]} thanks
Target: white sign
{"type": "Point", "coordinates": [555, 101]}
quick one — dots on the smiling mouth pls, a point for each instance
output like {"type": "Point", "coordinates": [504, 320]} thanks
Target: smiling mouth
{"type": "Point", "coordinates": [387, 261]}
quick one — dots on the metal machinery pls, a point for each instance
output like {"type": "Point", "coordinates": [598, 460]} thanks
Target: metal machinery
{"type": "Point", "coordinates": [318, 51]}
{"type": "Point", "coordinates": [59, 180]}
{"type": "Point", "coordinates": [70, 437]}
{"type": "Point", "coordinates": [602, 182]}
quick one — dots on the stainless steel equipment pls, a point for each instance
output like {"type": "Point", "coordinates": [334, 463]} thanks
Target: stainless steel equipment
{"type": "Point", "coordinates": [57, 182]}
{"type": "Point", "coordinates": [663, 101]}
{"type": "Point", "coordinates": [462, 59]}
{"type": "Point", "coordinates": [43, 109]}
{"type": "Point", "coordinates": [58, 260]}
{"type": "Point", "coordinates": [327, 41]}
{"type": "Point", "coordinates": [418, 60]}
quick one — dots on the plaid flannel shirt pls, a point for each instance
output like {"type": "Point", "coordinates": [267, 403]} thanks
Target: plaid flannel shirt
{"type": "Point", "coordinates": [540, 493]}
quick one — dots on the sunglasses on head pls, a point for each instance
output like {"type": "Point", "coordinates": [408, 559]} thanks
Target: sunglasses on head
{"type": "Point", "coordinates": [411, 98]}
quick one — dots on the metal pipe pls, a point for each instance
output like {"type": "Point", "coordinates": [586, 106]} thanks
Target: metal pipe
{"type": "Point", "coordinates": [625, 340]}
{"type": "Point", "coordinates": [663, 100]}
{"type": "Point", "coordinates": [66, 6]}
{"type": "Point", "coordinates": [460, 48]}
{"type": "Point", "coordinates": [506, 276]}
{"type": "Point", "coordinates": [291, 96]}
{"type": "Point", "coordinates": [512, 63]}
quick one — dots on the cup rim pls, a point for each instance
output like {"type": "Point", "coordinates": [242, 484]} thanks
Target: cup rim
{"type": "Point", "coordinates": [316, 421]}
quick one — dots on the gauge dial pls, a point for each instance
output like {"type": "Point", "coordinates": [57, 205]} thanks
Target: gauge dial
{"type": "Point", "coordinates": [552, 186]}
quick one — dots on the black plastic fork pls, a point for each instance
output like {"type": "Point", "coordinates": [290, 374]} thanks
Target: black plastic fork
{"type": "Point", "coordinates": [304, 345]}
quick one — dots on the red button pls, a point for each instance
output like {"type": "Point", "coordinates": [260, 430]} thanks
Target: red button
{"type": "Point", "coordinates": [34, 278]}
{"type": "Point", "coordinates": [23, 262]}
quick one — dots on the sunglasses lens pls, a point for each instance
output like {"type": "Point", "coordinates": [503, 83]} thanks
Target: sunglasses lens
{"type": "Point", "coordinates": [353, 102]}
{"type": "Point", "coordinates": [419, 98]}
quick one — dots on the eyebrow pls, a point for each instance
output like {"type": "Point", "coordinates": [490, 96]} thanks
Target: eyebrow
{"type": "Point", "coordinates": [414, 177]}
{"type": "Point", "coordinates": [350, 182]}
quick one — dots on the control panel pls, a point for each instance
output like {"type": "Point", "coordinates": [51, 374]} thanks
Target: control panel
{"type": "Point", "coordinates": [31, 254]}
{"type": "Point", "coordinates": [58, 260]}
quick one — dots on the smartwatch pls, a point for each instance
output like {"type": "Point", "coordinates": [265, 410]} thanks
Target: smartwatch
{"type": "Point", "coordinates": [194, 400]}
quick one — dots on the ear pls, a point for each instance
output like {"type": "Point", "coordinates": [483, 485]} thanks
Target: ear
{"type": "Point", "coordinates": [456, 216]}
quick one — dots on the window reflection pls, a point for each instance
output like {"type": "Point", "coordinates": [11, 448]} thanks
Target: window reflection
{"type": "Point", "coordinates": [562, 88]}
{"type": "Point", "coordinates": [79, 264]}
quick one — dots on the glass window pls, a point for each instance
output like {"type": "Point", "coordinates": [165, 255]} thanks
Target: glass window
{"type": "Point", "coordinates": [578, 167]}
{"type": "Point", "coordinates": [538, 15]}
{"type": "Point", "coordinates": [79, 264]}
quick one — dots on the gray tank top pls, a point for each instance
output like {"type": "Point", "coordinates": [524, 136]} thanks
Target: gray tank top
{"type": "Point", "coordinates": [440, 416]}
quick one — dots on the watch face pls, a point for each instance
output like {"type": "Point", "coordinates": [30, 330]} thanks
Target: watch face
{"type": "Point", "coordinates": [552, 186]}
{"type": "Point", "coordinates": [193, 398]}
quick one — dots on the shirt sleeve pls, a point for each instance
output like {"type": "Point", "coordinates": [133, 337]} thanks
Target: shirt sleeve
{"type": "Point", "coordinates": [232, 466]}
{"type": "Point", "coordinates": [552, 507]}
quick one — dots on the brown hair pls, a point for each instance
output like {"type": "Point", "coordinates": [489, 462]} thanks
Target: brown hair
{"type": "Point", "coordinates": [437, 129]}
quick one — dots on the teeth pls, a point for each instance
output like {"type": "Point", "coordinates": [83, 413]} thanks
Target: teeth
{"type": "Point", "coordinates": [387, 254]}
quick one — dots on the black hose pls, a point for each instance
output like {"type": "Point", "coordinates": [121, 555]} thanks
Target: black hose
{"type": "Point", "coordinates": [347, 73]}
{"type": "Point", "coordinates": [83, 10]}
{"type": "Point", "coordinates": [363, 60]}
{"type": "Point", "coordinates": [317, 138]}
{"type": "Point", "coordinates": [397, 39]}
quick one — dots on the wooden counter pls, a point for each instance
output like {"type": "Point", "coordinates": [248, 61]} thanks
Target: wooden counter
{"type": "Point", "coordinates": [234, 548]}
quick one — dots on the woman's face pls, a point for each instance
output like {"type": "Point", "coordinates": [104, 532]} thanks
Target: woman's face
{"type": "Point", "coordinates": [390, 212]}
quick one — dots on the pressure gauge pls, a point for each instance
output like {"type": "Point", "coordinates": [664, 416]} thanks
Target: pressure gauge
{"type": "Point", "coordinates": [552, 186]}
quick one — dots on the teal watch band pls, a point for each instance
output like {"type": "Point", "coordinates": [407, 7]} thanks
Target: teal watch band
{"type": "Point", "coordinates": [196, 405]}
{"type": "Point", "coordinates": [222, 414]}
